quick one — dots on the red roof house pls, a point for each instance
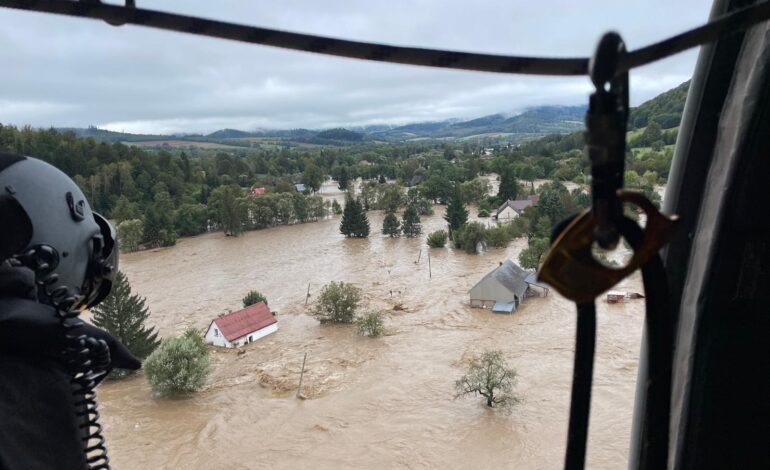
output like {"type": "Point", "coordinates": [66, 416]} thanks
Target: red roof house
{"type": "Point", "coordinates": [257, 191]}
{"type": "Point", "coordinates": [242, 327]}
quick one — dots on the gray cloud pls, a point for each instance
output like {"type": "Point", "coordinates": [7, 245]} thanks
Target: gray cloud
{"type": "Point", "coordinates": [75, 72]}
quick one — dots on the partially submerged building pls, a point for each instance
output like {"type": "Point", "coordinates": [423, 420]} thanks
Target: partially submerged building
{"type": "Point", "coordinates": [509, 210]}
{"type": "Point", "coordinates": [242, 327]}
{"type": "Point", "coordinates": [502, 290]}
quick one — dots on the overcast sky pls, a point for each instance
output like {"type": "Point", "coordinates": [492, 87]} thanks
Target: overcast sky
{"type": "Point", "coordinates": [59, 71]}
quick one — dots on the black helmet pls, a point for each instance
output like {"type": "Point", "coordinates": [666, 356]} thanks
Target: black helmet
{"type": "Point", "coordinates": [47, 225]}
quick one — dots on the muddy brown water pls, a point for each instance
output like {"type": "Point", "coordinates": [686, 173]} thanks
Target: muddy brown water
{"type": "Point", "coordinates": [371, 403]}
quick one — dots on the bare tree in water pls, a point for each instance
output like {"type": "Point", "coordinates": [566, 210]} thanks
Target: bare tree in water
{"type": "Point", "coordinates": [489, 376]}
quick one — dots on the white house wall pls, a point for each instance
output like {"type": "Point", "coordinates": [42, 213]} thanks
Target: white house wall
{"type": "Point", "coordinates": [222, 342]}
{"type": "Point", "coordinates": [507, 214]}
{"type": "Point", "coordinates": [219, 339]}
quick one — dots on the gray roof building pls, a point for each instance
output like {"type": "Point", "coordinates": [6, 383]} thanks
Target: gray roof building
{"type": "Point", "coordinates": [506, 284]}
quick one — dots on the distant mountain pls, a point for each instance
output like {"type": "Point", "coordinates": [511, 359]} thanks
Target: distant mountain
{"type": "Point", "coordinates": [229, 134]}
{"type": "Point", "coordinates": [340, 134]}
{"type": "Point", "coordinates": [665, 109]}
{"type": "Point", "coordinates": [533, 122]}
{"type": "Point", "coordinates": [104, 135]}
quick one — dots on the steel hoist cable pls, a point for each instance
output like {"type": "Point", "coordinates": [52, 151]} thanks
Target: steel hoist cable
{"type": "Point", "coordinates": [738, 20]}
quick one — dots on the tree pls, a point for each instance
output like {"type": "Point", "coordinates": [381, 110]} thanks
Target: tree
{"type": "Point", "coordinates": [509, 188]}
{"type": "Point", "coordinates": [125, 210]}
{"type": "Point", "coordinates": [354, 222]}
{"type": "Point", "coordinates": [130, 235]}
{"type": "Point", "coordinates": [437, 239]}
{"type": "Point", "coordinates": [456, 215]}
{"type": "Point", "coordinates": [179, 365]}
{"type": "Point", "coordinates": [253, 297]}
{"type": "Point", "coordinates": [159, 221]}
{"type": "Point", "coordinates": [370, 324]}
{"type": "Point", "coordinates": [343, 178]}
{"type": "Point", "coordinates": [532, 256]}
{"type": "Point", "coordinates": [123, 315]}
{"type": "Point", "coordinates": [191, 219]}
{"type": "Point", "coordinates": [469, 236]}
{"type": "Point", "coordinates": [390, 225]}
{"type": "Point", "coordinates": [312, 177]}
{"type": "Point", "coordinates": [337, 303]}
{"type": "Point", "coordinates": [229, 208]}
{"type": "Point", "coordinates": [411, 224]}
{"type": "Point", "coordinates": [489, 376]}
{"type": "Point", "coordinates": [336, 208]}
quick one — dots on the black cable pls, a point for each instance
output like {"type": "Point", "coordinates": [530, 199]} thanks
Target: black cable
{"type": "Point", "coordinates": [87, 359]}
{"type": "Point", "coordinates": [736, 21]}
{"type": "Point", "coordinates": [582, 376]}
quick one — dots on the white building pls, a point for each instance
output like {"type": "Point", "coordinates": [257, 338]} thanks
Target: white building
{"type": "Point", "coordinates": [509, 210]}
{"type": "Point", "coordinates": [242, 327]}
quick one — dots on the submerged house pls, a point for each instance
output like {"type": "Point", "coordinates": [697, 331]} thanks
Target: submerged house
{"type": "Point", "coordinates": [242, 327]}
{"type": "Point", "coordinates": [509, 210]}
{"type": "Point", "coordinates": [502, 290]}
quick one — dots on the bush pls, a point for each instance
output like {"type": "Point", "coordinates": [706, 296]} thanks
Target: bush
{"type": "Point", "coordinates": [370, 324]}
{"type": "Point", "coordinates": [179, 366]}
{"type": "Point", "coordinates": [483, 213]}
{"type": "Point", "coordinates": [437, 239]}
{"type": "Point", "coordinates": [499, 236]}
{"type": "Point", "coordinates": [253, 297]}
{"type": "Point", "coordinates": [469, 236]}
{"type": "Point", "coordinates": [130, 233]}
{"type": "Point", "coordinates": [337, 303]}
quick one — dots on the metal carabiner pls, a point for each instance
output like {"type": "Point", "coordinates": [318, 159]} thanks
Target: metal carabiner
{"type": "Point", "coordinates": [606, 121]}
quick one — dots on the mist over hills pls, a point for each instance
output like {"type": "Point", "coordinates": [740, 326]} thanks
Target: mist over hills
{"type": "Point", "coordinates": [665, 110]}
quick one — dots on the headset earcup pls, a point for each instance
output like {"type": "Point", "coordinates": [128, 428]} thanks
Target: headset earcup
{"type": "Point", "coordinates": [15, 227]}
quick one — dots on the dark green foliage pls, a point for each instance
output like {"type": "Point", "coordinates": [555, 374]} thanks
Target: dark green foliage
{"type": "Point", "coordinates": [229, 208]}
{"type": "Point", "coordinates": [125, 210]}
{"type": "Point", "coordinates": [336, 208]}
{"type": "Point", "coordinates": [179, 366]}
{"type": "Point", "coordinates": [312, 177]}
{"type": "Point", "coordinates": [483, 213]}
{"type": "Point", "coordinates": [159, 222]}
{"type": "Point", "coordinates": [509, 188]}
{"type": "Point", "coordinates": [370, 324]}
{"type": "Point", "coordinates": [469, 236]}
{"type": "Point", "coordinates": [534, 254]}
{"type": "Point", "coordinates": [456, 215]}
{"type": "Point", "coordinates": [253, 297]}
{"type": "Point", "coordinates": [343, 178]}
{"type": "Point", "coordinates": [123, 315]}
{"type": "Point", "coordinates": [437, 239]}
{"type": "Point", "coordinates": [191, 219]}
{"type": "Point", "coordinates": [421, 204]}
{"type": "Point", "coordinates": [354, 222]}
{"type": "Point", "coordinates": [665, 109]}
{"type": "Point", "coordinates": [130, 234]}
{"type": "Point", "coordinates": [390, 225]}
{"type": "Point", "coordinates": [488, 375]}
{"type": "Point", "coordinates": [340, 134]}
{"type": "Point", "coordinates": [337, 303]}
{"type": "Point", "coordinates": [410, 223]}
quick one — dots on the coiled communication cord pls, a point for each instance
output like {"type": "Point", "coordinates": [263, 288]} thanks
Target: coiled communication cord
{"type": "Point", "coordinates": [87, 359]}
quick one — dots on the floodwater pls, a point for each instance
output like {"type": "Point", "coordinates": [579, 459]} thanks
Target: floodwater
{"type": "Point", "coordinates": [371, 403]}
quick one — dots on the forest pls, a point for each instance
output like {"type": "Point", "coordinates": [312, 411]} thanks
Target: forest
{"type": "Point", "coordinates": [169, 193]}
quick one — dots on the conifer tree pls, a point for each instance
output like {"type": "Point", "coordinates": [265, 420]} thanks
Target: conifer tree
{"type": "Point", "coordinates": [456, 215]}
{"type": "Point", "coordinates": [123, 315]}
{"type": "Point", "coordinates": [509, 188]}
{"type": "Point", "coordinates": [354, 221]}
{"type": "Point", "coordinates": [411, 224]}
{"type": "Point", "coordinates": [390, 225]}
